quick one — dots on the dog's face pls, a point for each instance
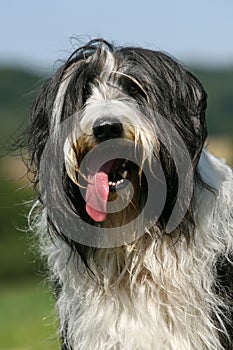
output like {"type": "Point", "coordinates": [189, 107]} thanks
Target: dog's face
{"type": "Point", "coordinates": [121, 105]}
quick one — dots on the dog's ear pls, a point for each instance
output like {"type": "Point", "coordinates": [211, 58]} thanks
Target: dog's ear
{"type": "Point", "coordinates": [48, 108]}
{"type": "Point", "coordinates": [192, 103]}
{"type": "Point", "coordinates": [186, 103]}
{"type": "Point", "coordinates": [189, 120]}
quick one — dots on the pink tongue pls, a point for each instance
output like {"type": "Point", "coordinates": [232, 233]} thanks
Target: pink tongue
{"type": "Point", "coordinates": [97, 196]}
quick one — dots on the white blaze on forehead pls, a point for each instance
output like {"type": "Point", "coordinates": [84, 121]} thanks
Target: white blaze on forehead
{"type": "Point", "coordinates": [109, 65]}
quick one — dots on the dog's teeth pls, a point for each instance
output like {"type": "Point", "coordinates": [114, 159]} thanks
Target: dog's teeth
{"type": "Point", "coordinates": [120, 182]}
{"type": "Point", "coordinates": [117, 183]}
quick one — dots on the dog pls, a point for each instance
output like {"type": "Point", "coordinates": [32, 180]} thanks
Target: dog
{"type": "Point", "coordinates": [133, 214]}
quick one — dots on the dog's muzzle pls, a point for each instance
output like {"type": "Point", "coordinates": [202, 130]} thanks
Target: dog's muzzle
{"type": "Point", "coordinates": [111, 175]}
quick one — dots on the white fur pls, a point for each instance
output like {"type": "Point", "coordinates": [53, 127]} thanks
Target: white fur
{"type": "Point", "coordinates": [152, 295]}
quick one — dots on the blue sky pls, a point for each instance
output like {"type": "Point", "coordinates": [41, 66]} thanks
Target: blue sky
{"type": "Point", "coordinates": [37, 32]}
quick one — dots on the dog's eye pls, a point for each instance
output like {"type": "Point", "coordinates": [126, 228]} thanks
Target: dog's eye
{"type": "Point", "coordinates": [133, 89]}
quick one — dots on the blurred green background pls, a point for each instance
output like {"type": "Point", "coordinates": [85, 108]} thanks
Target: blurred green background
{"type": "Point", "coordinates": [27, 316]}
{"type": "Point", "coordinates": [26, 306]}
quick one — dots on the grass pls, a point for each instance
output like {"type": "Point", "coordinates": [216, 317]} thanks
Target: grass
{"type": "Point", "coordinates": [27, 319]}
{"type": "Point", "coordinates": [26, 305]}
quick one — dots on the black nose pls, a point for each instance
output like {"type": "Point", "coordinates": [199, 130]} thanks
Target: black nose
{"type": "Point", "coordinates": [107, 128]}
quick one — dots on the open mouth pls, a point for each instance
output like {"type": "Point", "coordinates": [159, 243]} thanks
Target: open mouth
{"type": "Point", "coordinates": [110, 177]}
{"type": "Point", "coordinates": [119, 173]}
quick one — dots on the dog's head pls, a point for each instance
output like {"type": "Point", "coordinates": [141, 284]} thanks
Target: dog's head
{"type": "Point", "coordinates": [121, 115]}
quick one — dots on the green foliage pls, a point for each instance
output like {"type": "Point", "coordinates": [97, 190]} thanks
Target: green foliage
{"type": "Point", "coordinates": [18, 89]}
